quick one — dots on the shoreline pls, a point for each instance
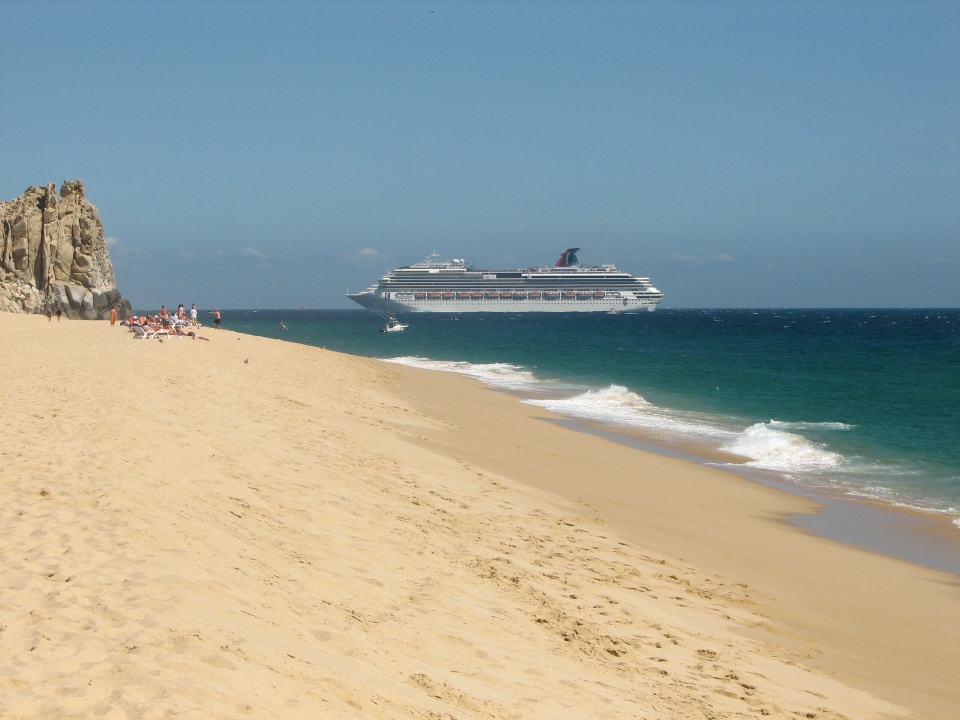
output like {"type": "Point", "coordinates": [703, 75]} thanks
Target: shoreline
{"type": "Point", "coordinates": [898, 532]}
{"type": "Point", "coordinates": [830, 488]}
{"type": "Point", "coordinates": [253, 528]}
{"type": "Point", "coordinates": [744, 531]}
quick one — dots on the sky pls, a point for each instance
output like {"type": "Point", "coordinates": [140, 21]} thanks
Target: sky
{"type": "Point", "coordinates": [280, 154]}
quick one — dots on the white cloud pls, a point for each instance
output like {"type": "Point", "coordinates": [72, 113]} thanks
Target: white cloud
{"type": "Point", "coordinates": [361, 255]}
{"type": "Point", "coordinates": [110, 240]}
{"type": "Point", "coordinates": [253, 252]}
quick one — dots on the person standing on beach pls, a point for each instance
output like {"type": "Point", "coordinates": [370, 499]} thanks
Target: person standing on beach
{"type": "Point", "coordinates": [216, 319]}
{"type": "Point", "coordinates": [193, 314]}
{"type": "Point", "coordinates": [49, 314]}
{"type": "Point", "coordinates": [113, 315]}
{"type": "Point", "coordinates": [59, 312]}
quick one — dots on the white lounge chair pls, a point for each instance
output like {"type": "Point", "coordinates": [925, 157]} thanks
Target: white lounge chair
{"type": "Point", "coordinates": [139, 331]}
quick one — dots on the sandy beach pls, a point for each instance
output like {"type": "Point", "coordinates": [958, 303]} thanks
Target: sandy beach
{"type": "Point", "coordinates": [248, 528]}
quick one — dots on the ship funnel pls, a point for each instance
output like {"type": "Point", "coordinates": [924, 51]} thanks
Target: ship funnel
{"type": "Point", "coordinates": [568, 259]}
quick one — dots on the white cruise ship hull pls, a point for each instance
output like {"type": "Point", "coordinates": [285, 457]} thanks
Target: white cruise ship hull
{"type": "Point", "coordinates": [455, 287]}
{"type": "Point", "coordinates": [398, 303]}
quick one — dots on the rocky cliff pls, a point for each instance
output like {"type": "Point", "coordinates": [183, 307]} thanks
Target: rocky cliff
{"type": "Point", "coordinates": [53, 255]}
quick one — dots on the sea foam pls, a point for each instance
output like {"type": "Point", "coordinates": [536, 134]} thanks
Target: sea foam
{"type": "Point", "coordinates": [503, 375]}
{"type": "Point", "coordinates": [617, 405]}
{"type": "Point", "coordinates": [770, 448]}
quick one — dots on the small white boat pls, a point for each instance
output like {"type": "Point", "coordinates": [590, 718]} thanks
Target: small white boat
{"type": "Point", "coordinates": [393, 325]}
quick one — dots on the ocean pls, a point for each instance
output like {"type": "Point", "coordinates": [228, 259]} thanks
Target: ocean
{"type": "Point", "coordinates": [856, 404]}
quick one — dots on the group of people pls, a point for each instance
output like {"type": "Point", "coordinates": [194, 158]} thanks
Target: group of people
{"type": "Point", "coordinates": [180, 316]}
{"type": "Point", "coordinates": [167, 323]}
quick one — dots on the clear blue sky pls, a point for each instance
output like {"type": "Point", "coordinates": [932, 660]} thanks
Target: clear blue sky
{"type": "Point", "coordinates": [277, 154]}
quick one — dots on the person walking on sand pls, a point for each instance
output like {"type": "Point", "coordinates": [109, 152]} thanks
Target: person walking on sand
{"type": "Point", "coordinates": [49, 314]}
{"type": "Point", "coordinates": [113, 316]}
{"type": "Point", "coordinates": [59, 312]}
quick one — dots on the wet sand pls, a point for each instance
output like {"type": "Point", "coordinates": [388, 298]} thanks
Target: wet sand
{"type": "Point", "coordinates": [925, 538]}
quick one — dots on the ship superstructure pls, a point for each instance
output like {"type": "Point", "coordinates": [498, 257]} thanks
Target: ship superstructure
{"type": "Point", "coordinates": [455, 287]}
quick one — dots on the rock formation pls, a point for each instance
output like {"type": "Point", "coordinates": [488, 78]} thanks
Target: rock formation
{"type": "Point", "coordinates": [53, 255]}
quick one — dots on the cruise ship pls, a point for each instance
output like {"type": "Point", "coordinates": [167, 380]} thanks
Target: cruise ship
{"type": "Point", "coordinates": [434, 286]}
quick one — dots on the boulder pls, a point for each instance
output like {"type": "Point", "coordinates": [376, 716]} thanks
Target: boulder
{"type": "Point", "coordinates": [53, 255]}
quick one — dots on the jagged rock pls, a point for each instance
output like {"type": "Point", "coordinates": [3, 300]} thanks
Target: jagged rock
{"type": "Point", "coordinates": [18, 296]}
{"type": "Point", "coordinates": [53, 254]}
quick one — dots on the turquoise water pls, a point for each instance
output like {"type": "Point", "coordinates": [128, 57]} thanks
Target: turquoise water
{"type": "Point", "coordinates": [862, 403]}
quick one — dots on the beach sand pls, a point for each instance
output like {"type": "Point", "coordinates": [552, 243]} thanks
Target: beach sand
{"type": "Point", "coordinates": [248, 528]}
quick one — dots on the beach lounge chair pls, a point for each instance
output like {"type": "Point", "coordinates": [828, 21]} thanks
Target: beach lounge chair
{"type": "Point", "coordinates": [139, 331]}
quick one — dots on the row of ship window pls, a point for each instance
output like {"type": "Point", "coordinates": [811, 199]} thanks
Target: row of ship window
{"type": "Point", "coordinates": [503, 295]}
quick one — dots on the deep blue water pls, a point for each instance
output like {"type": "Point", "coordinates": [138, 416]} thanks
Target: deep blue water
{"type": "Point", "coordinates": [861, 402]}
